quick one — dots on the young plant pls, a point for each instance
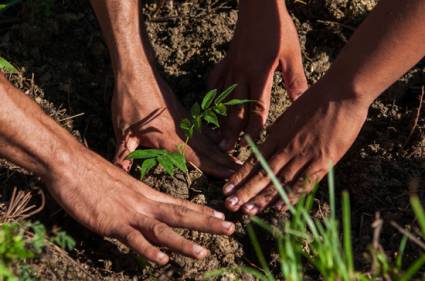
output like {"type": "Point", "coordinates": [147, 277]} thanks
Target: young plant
{"type": "Point", "coordinates": [208, 111]}
{"type": "Point", "coordinates": [15, 246]}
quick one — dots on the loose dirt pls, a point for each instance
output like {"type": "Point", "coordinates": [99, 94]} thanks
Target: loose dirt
{"type": "Point", "coordinates": [72, 75]}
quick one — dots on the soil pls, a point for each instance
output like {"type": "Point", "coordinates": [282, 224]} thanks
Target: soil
{"type": "Point", "coordinates": [66, 70]}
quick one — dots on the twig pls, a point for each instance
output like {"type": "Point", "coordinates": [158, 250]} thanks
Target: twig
{"type": "Point", "coordinates": [334, 23]}
{"type": "Point", "coordinates": [195, 167]}
{"type": "Point", "coordinates": [416, 120]}
{"type": "Point", "coordinates": [71, 117]}
{"type": "Point", "coordinates": [408, 235]}
{"type": "Point", "coordinates": [18, 208]}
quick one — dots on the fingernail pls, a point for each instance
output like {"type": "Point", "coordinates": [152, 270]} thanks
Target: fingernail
{"type": "Point", "coordinates": [239, 162]}
{"type": "Point", "coordinates": [219, 215]}
{"type": "Point", "coordinates": [228, 226]}
{"type": "Point", "coordinates": [199, 251]}
{"type": "Point", "coordinates": [233, 200]}
{"type": "Point", "coordinates": [132, 144]}
{"type": "Point", "coordinates": [251, 208]}
{"type": "Point", "coordinates": [162, 258]}
{"type": "Point", "coordinates": [248, 207]}
{"type": "Point", "coordinates": [223, 144]}
{"type": "Point", "coordinates": [228, 187]}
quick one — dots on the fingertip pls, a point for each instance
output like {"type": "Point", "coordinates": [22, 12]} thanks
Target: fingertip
{"type": "Point", "coordinates": [250, 209]}
{"type": "Point", "coordinates": [232, 203]}
{"type": "Point", "coordinates": [229, 227]}
{"type": "Point", "coordinates": [228, 188]}
{"type": "Point", "coordinates": [219, 215]}
{"type": "Point", "coordinates": [162, 258]}
{"type": "Point", "coordinates": [199, 252]}
{"type": "Point", "coordinates": [124, 164]}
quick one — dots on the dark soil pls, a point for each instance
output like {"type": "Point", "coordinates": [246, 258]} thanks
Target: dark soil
{"type": "Point", "coordinates": [65, 54]}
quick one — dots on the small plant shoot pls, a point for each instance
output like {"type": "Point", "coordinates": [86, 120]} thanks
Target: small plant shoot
{"type": "Point", "coordinates": [208, 111]}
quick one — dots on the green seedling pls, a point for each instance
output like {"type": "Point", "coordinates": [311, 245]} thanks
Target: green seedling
{"type": "Point", "coordinates": [64, 240]}
{"type": "Point", "coordinates": [16, 246]}
{"type": "Point", "coordinates": [208, 111]}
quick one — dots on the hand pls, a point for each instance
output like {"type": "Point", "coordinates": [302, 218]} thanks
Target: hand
{"type": "Point", "coordinates": [265, 39]}
{"type": "Point", "coordinates": [146, 113]}
{"type": "Point", "coordinates": [315, 132]}
{"type": "Point", "coordinates": [109, 202]}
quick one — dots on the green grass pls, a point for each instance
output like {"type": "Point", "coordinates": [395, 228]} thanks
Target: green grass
{"type": "Point", "coordinates": [306, 242]}
{"type": "Point", "coordinates": [21, 242]}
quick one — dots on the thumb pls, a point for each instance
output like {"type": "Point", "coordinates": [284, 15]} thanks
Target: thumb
{"type": "Point", "coordinates": [294, 77]}
{"type": "Point", "coordinates": [125, 146]}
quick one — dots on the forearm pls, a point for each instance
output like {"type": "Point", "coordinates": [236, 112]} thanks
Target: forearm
{"type": "Point", "coordinates": [124, 33]}
{"type": "Point", "coordinates": [385, 46]}
{"type": "Point", "coordinates": [28, 137]}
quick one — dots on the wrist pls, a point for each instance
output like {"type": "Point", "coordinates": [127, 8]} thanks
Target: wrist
{"type": "Point", "coordinates": [344, 91]}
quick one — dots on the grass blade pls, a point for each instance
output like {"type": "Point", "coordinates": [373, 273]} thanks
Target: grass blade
{"type": "Point", "coordinates": [259, 252]}
{"type": "Point", "coordinates": [270, 174]}
{"type": "Point", "coordinates": [346, 220]}
{"type": "Point", "coordinates": [413, 269]}
{"type": "Point", "coordinates": [399, 259]}
{"type": "Point", "coordinates": [419, 212]}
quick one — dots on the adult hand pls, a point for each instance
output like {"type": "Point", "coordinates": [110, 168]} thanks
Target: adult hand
{"type": "Point", "coordinates": [314, 132]}
{"type": "Point", "coordinates": [265, 40]}
{"type": "Point", "coordinates": [109, 202]}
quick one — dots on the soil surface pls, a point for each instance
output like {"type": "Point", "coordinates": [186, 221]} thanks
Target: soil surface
{"type": "Point", "coordinates": [66, 70]}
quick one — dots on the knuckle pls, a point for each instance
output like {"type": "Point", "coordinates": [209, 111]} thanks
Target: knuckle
{"type": "Point", "coordinates": [158, 230]}
{"type": "Point", "coordinates": [180, 211]}
{"type": "Point", "coordinates": [130, 236]}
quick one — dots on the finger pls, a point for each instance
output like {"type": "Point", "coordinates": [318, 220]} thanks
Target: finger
{"type": "Point", "coordinates": [251, 167]}
{"type": "Point", "coordinates": [213, 135]}
{"type": "Point", "coordinates": [161, 197]}
{"type": "Point", "coordinates": [135, 240]}
{"type": "Point", "coordinates": [180, 216]}
{"type": "Point", "coordinates": [207, 164]}
{"type": "Point", "coordinates": [125, 146]}
{"type": "Point", "coordinates": [208, 150]}
{"type": "Point", "coordinates": [293, 76]}
{"type": "Point", "coordinates": [163, 235]}
{"type": "Point", "coordinates": [259, 110]}
{"type": "Point", "coordinates": [305, 183]}
{"type": "Point", "coordinates": [199, 160]}
{"type": "Point", "coordinates": [256, 183]}
{"type": "Point", "coordinates": [268, 195]}
{"type": "Point", "coordinates": [215, 79]}
{"type": "Point", "coordinates": [234, 122]}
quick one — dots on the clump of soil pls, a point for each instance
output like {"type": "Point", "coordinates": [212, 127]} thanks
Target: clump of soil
{"type": "Point", "coordinates": [70, 63]}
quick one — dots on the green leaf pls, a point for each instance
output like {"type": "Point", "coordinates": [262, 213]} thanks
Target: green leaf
{"type": "Point", "coordinates": [185, 124]}
{"type": "Point", "coordinates": [147, 166]}
{"type": "Point", "coordinates": [195, 110]}
{"type": "Point", "coordinates": [211, 118]}
{"type": "Point", "coordinates": [166, 163]}
{"type": "Point", "coordinates": [208, 99]}
{"type": "Point", "coordinates": [63, 240]}
{"type": "Point", "coordinates": [225, 93]}
{"type": "Point", "coordinates": [7, 66]}
{"type": "Point", "coordinates": [178, 160]}
{"type": "Point", "coordinates": [237, 102]}
{"type": "Point", "coordinates": [197, 122]}
{"type": "Point", "coordinates": [145, 153]}
{"type": "Point", "coordinates": [220, 109]}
